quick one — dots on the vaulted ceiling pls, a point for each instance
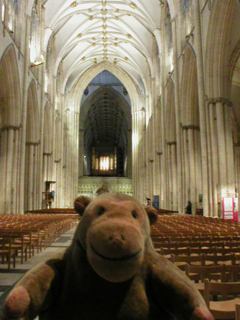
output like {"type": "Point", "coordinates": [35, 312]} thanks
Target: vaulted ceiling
{"type": "Point", "coordinates": [89, 32]}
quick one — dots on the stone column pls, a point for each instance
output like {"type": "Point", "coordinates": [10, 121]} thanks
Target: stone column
{"type": "Point", "coordinates": [202, 110]}
{"type": "Point", "coordinates": [229, 146]}
{"type": "Point", "coordinates": [9, 166]}
{"type": "Point", "coordinates": [129, 154]}
{"type": "Point", "coordinates": [192, 168]}
{"type": "Point", "coordinates": [174, 176]}
{"type": "Point", "coordinates": [177, 115]}
{"type": "Point", "coordinates": [29, 171]}
{"type": "Point", "coordinates": [24, 114]}
{"type": "Point", "coordinates": [15, 170]}
{"type": "Point", "coordinates": [214, 157]}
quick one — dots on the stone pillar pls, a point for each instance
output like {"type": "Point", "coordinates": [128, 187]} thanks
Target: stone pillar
{"type": "Point", "coordinates": [29, 173]}
{"type": "Point", "coordinates": [177, 115]}
{"type": "Point", "coordinates": [9, 166]}
{"type": "Point", "coordinates": [129, 154]}
{"type": "Point", "coordinates": [15, 170]}
{"type": "Point", "coordinates": [229, 147]}
{"type": "Point", "coordinates": [202, 110]}
{"type": "Point", "coordinates": [186, 169]}
{"type": "Point", "coordinates": [214, 159]}
{"type": "Point", "coordinates": [24, 113]}
{"type": "Point", "coordinates": [192, 167]}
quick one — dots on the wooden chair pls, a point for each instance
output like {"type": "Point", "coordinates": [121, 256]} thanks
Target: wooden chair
{"type": "Point", "coordinates": [237, 311]}
{"type": "Point", "coordinates": [181, 260]}
{"type": "Point", "coordinates": [199, 273]}
{"type": "Point", "coordinates": [232, 273]}
{"type": "Point", "coordinates": [224, 308]}
{"type": "Point", "coordinates": [219, 259]}
{"type": "Point", "coordinates": [6, 251]}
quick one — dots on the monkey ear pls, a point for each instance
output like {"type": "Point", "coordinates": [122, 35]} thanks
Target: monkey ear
{"type": "Point", "coordinates": [152, 214]}
{"type": "Point", "coordinates": [81, 203]}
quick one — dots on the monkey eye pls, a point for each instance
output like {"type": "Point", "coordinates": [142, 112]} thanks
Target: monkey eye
{"type": "Point", "coordinates": [101, 211]}
{"type": "Point", "coordinates": [134, 214]}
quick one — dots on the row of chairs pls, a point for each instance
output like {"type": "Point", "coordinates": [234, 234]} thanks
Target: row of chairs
{"type": "Point", "coordinates": [220, 287]}
{"type": "Point", "coordinates": [20, 235]}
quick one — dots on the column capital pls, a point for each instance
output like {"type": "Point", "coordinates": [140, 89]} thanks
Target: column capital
{"type": "Point", "coordinates": [6, 128]}
{"type": "Point", "coordinates": [191, 126]}
{"type": "Point", "coordinates": [169, 143]}
{"type": "Point", "coordinates": [220, 100]}
{"type": "Point", "coordinates": [32, 143]}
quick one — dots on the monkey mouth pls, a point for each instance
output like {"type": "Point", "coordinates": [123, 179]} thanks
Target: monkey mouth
{"type": "Point", "coordinates": [123, 258]}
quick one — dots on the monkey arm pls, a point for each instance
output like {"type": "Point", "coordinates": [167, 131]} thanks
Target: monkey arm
{"type": "Point", "coordinates": [171, 289]}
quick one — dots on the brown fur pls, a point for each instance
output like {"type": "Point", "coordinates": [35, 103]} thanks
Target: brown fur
{"type": "Point", "coordinates": [111, 271]}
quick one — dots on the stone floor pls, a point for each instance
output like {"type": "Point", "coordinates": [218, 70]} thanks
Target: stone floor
{"type": "Point", "coordinates": [9, 278]}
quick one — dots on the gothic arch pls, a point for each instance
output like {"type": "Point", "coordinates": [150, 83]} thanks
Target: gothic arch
{"type": "Point", "coordinates": [192, 187]}
{"type": "Point", "coordinates": [10, 102]}
{"type": "Point", "coordinates": [10, 88]}
{"type": "Point", "coordinates": [217, 49]}
{"type": "Point", "coordinates": [77, 90]}
{"type": "Point", "coordinates": [189, 93]}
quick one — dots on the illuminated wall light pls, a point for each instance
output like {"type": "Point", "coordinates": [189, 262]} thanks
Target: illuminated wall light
{"type": "Point", "coordinates": [104, 39]}
{"type": "Point", "coordinates": [90, 10]}
{"type": "Point", "coordinates": [129, 36]}
{"type": "Point", "coordinates": [104, 20]}
{"type": "Point", "coordinates": [128, 14]}
{"type": "Point", "coordinates": [104, 27]}
{"type": "Point", "coordinates": [104, 12]}
{"type": "Point", "coordinates": [126, 58]}
{"type": "Point", "coordinates": [116, 18]}
{"type": "Point", "coordinates": [79, 35]}
{"type": "Point", "coordinates": [91, 18]}
{"type": "Point", "coordinates": [116, 39]}
{"type": "Point", "coordinates": [83, 58]}
{"type": "Point", "coordinates": [93, 38]}
{"type": "Point", "coordinates": [117, 11]}
{"type": "Point", "coordinates": [94, 44]}
{"type": "Point", "coordinates": [115, 44]}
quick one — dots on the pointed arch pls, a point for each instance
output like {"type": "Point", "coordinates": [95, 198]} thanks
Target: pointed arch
{"type": "Point", "coordinates": [217, 49]}
{"type": "Point", "coordinates": [77, 91]}
{"type": "Point", "coordinates": [10, 96]}
{"type": "Point", "coordinates": [189, 93]}
{"type": "Point", "coordinates": [10, 103]}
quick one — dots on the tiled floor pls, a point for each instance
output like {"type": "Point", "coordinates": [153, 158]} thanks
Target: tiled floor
{"type": "Point", "coordinates": [9, 278]}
